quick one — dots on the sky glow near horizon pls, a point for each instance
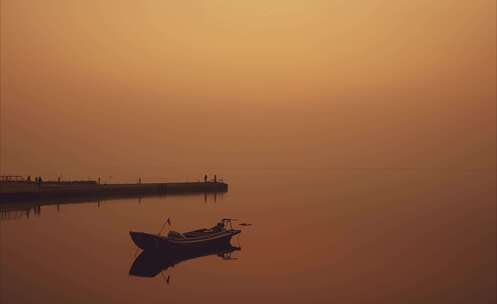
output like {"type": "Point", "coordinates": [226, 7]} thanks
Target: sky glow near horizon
{"type": "Point", "coordinates": [88, 86]}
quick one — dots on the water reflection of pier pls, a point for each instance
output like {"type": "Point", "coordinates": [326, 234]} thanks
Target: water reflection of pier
{"type": "Point", "coordinates": [13, 213]}
{"type": "Point", "coordinates": [19, 210]}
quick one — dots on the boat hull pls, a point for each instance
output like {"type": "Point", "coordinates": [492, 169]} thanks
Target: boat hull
{"type": "Point", "coordinates": [146, 240]}
{"type": "Point", "coordinates": [149, 242]}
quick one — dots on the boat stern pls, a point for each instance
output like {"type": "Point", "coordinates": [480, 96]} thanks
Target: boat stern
{"type": "Point", "coordinates": [235, 232]}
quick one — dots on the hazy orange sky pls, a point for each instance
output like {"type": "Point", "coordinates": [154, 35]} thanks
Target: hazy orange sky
{"type": "Point", "coordinates": [132, 88]}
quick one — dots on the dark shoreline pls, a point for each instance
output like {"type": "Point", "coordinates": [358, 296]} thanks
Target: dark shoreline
{"type": "Point", "coordinates": [53, 191]}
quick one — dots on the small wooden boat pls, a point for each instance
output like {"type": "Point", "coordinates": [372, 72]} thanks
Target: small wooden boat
{"type": "Point", "coordinates": [221, 233]}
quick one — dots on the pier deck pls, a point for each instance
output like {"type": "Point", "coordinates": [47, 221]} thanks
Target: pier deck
{"type": "Point", "coordinates": [12, 192]}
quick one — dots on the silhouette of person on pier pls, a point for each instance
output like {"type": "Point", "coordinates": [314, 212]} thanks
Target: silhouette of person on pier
{"type": "Point", "coordinates": [205, 178]}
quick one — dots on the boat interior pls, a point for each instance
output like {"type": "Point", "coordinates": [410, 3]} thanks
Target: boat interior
{"type": "Point", "coordinates": [197, 233]}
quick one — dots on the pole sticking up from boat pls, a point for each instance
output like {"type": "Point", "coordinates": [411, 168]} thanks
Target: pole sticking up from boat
{"type": "Point", "coordinates": [168, 222]}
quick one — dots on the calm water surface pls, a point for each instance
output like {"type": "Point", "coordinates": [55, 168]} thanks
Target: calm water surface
{"type": "Point", "coordinates": [342, 236]}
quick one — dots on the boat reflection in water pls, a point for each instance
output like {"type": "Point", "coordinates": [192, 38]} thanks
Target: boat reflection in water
{"type": "Point", "coordinates": [151, 263]}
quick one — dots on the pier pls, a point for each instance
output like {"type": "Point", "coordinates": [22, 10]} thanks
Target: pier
{"type": "Point", "coordinates": [48, 191]}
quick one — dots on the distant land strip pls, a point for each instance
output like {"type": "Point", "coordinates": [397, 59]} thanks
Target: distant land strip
{"type": "Point", "coordinates": [16, 191]}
